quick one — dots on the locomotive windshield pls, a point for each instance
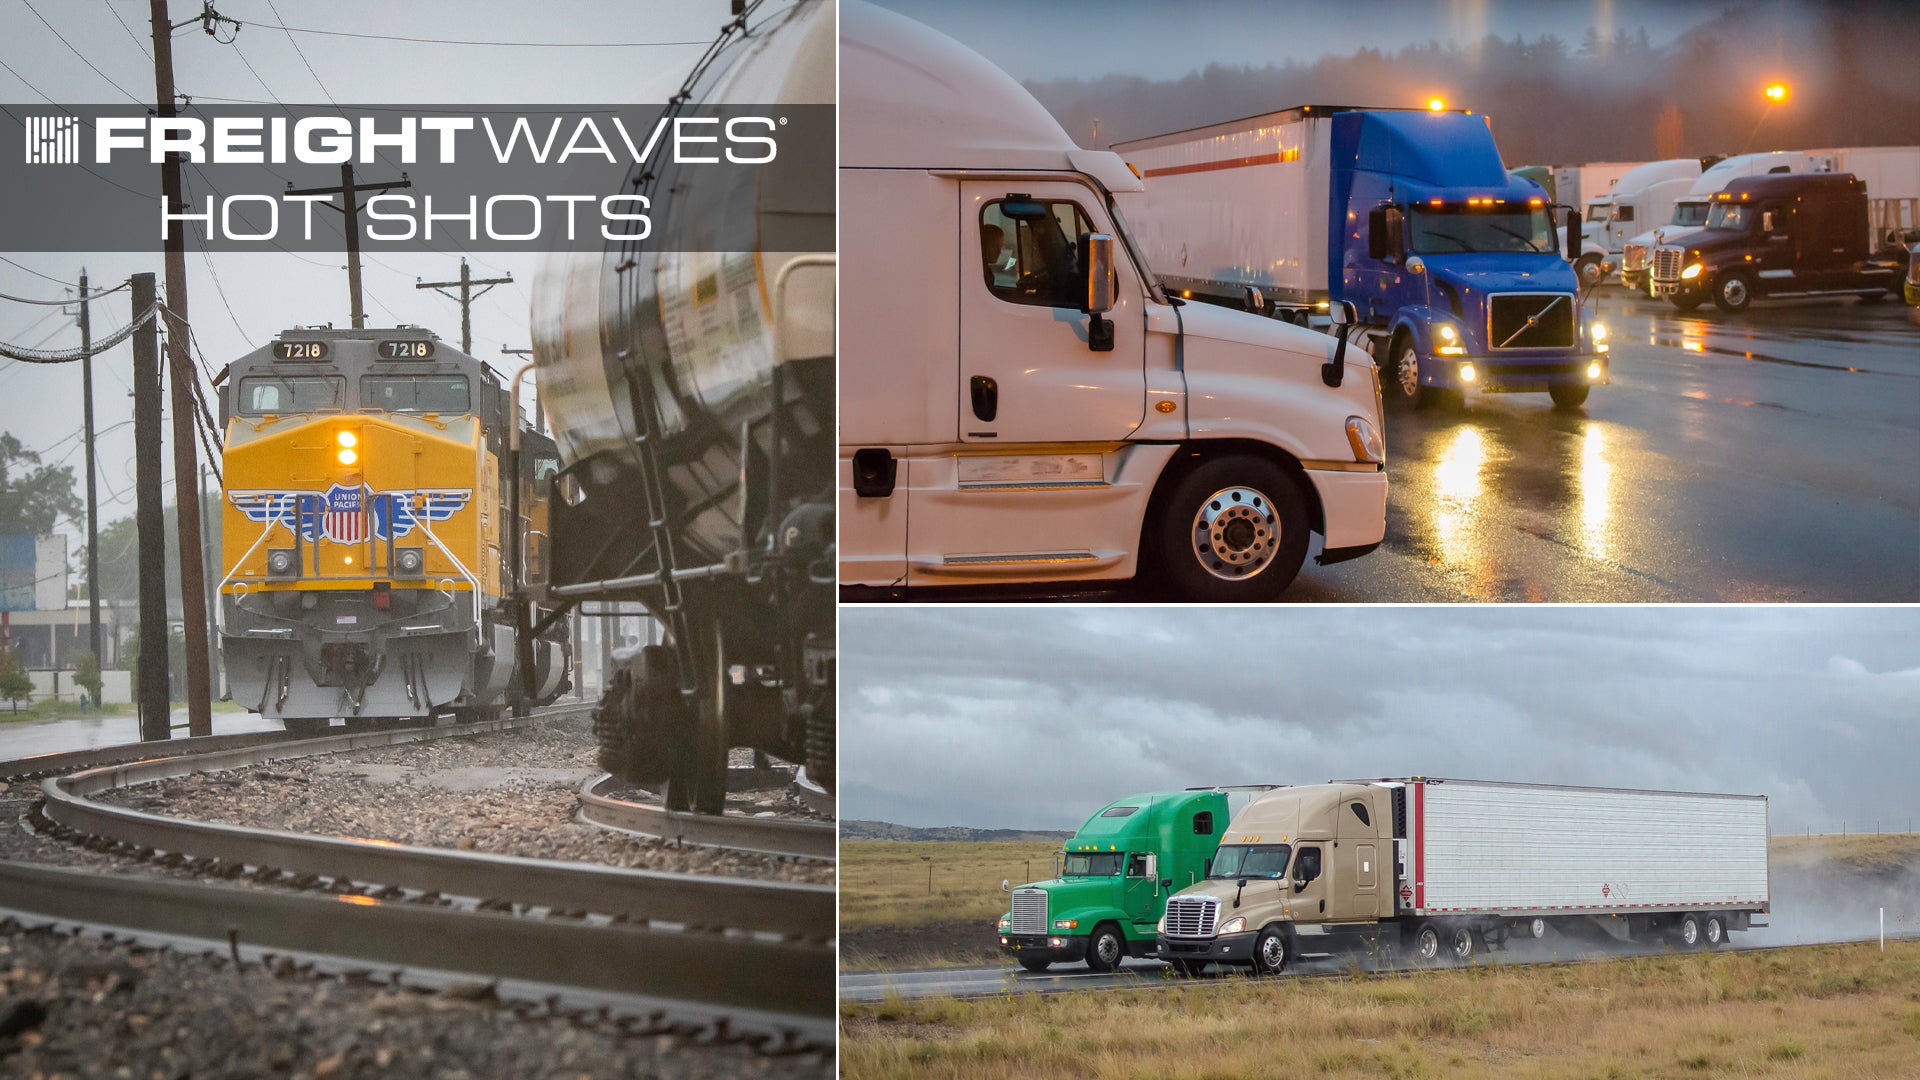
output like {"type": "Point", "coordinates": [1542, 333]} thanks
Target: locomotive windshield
{"type": "Point", "coordinates": [443, 394]}
{"type": "Point", "coordinates": [279, 394]}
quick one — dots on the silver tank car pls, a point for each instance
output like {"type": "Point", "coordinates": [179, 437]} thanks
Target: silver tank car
{"type": "Point", "coordinates": [691, 395]}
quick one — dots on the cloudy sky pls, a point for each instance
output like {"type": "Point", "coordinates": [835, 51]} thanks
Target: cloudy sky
{"type": "Point", "coordinates": [1032, 717]}
{"type": "Point", "coordinates": [239, 301]}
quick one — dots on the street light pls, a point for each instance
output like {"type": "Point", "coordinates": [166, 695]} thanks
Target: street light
{"type": "Point", "coordinates": [1777, 93]}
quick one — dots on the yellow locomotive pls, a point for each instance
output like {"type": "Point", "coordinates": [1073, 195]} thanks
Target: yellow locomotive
{"type": "Point", "coordinates": [366, 550]}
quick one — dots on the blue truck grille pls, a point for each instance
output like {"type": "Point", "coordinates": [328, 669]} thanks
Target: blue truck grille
{"type": "Point", "coordinates": [1192, 916]}
{"type": "Point", "coordinates": [1530, 321]}
{"type": "Point", "coordinates": [1029, 911]}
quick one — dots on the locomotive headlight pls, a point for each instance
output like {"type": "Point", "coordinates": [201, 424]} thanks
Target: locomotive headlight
{"type": "Point", "coordinates": [281, 563]}
{"type": "Point", "coordinates": [410, 562]}
{"type": "Point", "coordinates": [346, 438]}
{"type": "Point", "coordinates": [347, 455]}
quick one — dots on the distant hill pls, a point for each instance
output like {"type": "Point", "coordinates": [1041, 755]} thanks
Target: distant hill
{"type": "Point", "coordinates": [887, 830]}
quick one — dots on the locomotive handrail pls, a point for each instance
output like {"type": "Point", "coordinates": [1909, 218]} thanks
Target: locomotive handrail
{"type": "Point", "coordinates": [457, 565]}
{"type": "Point", "coordinates": [265, 530]}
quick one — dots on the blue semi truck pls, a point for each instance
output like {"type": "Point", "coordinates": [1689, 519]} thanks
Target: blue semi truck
{"type": "Point", "coordinates": [1458, 271]}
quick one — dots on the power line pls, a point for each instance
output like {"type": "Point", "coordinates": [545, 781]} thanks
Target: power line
{"type": "Point", "coordinates": [30, 269]}
{"type": "Point", "coordinates": [303, 56]}
{"type": "Point", "coordinates": [61, 303]}
{"type": "Point", "coordinates": [78, 53]}
{"type": "Point", "coordinates": [141, 45]}
{"type": "Point", "coordinates": [496, 44]}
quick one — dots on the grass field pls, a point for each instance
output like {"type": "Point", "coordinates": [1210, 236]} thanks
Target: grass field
{"type": "Point", "coordinates": [1817, 1012]}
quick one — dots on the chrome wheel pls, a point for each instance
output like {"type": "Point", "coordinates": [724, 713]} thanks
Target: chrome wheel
{"type": "Point", "coordinates": [1463, 945]}
{"type": "Point", "coordinates": [1537, 929]}
{"type": "Point", "coordinates": [1236, 533]}
{"type": "Point", "coordinates": [1733, 292]}
{"type": "Point", "coordinates": [1716, 930]}
{"type": "Point", "coordinates": [1109, 949]}
{"type": "Point", "coordinates": [1407, 369]}
{"type": "Point", "coordinates": [1690, 931]}
{"type": "Point", "coordinates": [1427, 944]}
{"type": "Point", "coordinates": [1273, 953]}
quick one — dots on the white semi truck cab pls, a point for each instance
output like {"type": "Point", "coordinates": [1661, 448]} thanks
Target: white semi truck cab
{"type": "Point", "coordinates": [1021, 401]}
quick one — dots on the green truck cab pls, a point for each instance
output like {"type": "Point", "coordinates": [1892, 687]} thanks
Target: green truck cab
{"type": "Point", "coordinates": [1112, 879]}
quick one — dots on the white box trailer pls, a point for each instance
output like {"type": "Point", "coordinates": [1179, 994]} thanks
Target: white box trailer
{"type": "Point", "coordinates": [1439, 869]}
{"type": "Point", "coordinates": [1892, 176]}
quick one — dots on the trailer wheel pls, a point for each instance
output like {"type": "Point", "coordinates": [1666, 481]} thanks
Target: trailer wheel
{"type": "Point", "coordinates": [1233, 530]}
{"type": "Point", "coordinates": [1035, 964]}
{"type": "Point", "coordinates": [1568, 397]}
{"type": "Point", "coordinates": [1689, 931]}
{"type": "Point", "coordinates": [1733, 292]}
{"type": "Point", "coordinates": [1426, 944]}
{"type": "Point", "coordinates": [1463, 944]}
{"type": "Point", "coordinates": [1271, 952]}
{"type": "Point", "coordinates": [1715, 931]}
{"type": "Point", "coordinates": [1536, 928]}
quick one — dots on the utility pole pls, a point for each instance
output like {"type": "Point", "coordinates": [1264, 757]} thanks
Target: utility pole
{"type": "Point", "coordinates": [93, 495]}
{"type": "Point", "coordinates": [539, 412]}
{"type": "Point", "coordinates": [149, 519]}
{"type": "Point", "coordinates": [466, 298]}
{"type": "Point", "coordinates": [210, 562]}
{"type": "Point", "coordinates": [350, 192]}
{"type": "Point", "coordinates": [193, 601]}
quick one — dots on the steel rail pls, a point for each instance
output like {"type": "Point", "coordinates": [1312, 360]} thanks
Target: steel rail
{"type": "Point", "coordinates": [772, 836]}
{"type": "Point", "coordinates": [783, 988]}
{"type": "Point", "coordinates": [697, 902]}
{"type": "Point", "coordinates": [813, 796]}
{"type": "Point", "coordinates": [40, 766]}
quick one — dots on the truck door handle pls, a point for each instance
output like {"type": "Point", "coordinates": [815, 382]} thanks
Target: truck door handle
{"type": "Point", "coordinates": [874, 470]}
{"type": "Point", "coordinates": [986, 398]}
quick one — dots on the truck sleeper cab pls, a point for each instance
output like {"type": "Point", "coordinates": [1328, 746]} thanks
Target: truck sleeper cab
{"type": "Point", "coordinates": [1443, 869]}
{"type": "Point", "coordinates": [1790, 235]}
{"type": "Point", "coordinates": [1021, 402]}
{"type": "Point", "coordinates": [1113, 877]}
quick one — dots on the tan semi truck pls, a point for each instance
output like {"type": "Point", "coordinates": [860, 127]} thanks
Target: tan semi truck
{"type": "Point", "coordinates": [1431, 869]}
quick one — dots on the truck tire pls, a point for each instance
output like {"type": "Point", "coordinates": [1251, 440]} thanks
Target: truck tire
{"type": "Point", "coordinates": [1685, 301]}
{"type": "Point", "coordinates": [1732, 292]}
{"type": "Point", "coordinates": [1426, 944]}
{"type": "Point", "coordinates": [1105, 948]}
{"type": "Point", "coordinates": [1569, 397]}
{"type": "Point", "coordinates": [1463, 944]}
{"type": "Point", "coordinates": [1400, 379]}
{"type": "Point", "coordinates": [1688, 931]}
{"type": "Point", "coordinates": [1271, 951]}
{"type": "Point", "coordinates": [1590, 270]}
{"type": "Point", "coordinates": [1233, 530]}
{"type": "Point", "coordinates": [1536, 928]}
{"type": "Point", "coordinates": [1035, 964]}
{"type": "Point", "coordinates": [1714, 933]}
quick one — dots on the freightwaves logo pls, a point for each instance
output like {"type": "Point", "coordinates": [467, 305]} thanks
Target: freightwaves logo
{"type": "Point", "coordinates": [53, 140]}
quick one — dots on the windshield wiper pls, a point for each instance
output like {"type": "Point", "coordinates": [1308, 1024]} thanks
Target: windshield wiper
{"type": "Point", "coordinates": [1531, 246]}
{"type": "Point", "coordinates": [1464, 245]}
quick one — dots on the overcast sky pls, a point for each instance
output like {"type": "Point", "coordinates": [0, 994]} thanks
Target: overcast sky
{"type": "Point", "coordinates": [1157, 40]}
{"type": "Point", "coordinates": [266, 293]}
{"type": "Point", "coordinates": [1032, 717]}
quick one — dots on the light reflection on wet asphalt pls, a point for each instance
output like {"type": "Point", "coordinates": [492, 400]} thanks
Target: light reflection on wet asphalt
{"type": "Point", "coordinates": [1771, 456]}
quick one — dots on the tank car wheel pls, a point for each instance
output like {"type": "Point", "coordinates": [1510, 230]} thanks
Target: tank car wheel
{"type": "Point", "coordinates": [1105, 949]}
{"type": "Point", "coordinates": [1715, 931]}
{"type": "Point", "coordinates": [1233, 530]}
{"type": "Point", "coordinates": [1271, 952]}
{"type": "Point", "coordinates": [1035, 964]}
{"type": "Point", "coordinates": [1463, 944]}
{"type": "Point", "coordinates": [1732, 293]}
{"type": "Point", "coordinates": [1426, 944]}
{"type": "Point", "coordinates": [1689, 931]}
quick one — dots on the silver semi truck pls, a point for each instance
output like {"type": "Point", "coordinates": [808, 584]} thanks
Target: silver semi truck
{"type": "Point", "coordinates": [1436, 870]}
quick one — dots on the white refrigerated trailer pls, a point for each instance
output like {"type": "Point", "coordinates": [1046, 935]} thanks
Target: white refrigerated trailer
{"type": "Point", "coordinates": [1446, 868]}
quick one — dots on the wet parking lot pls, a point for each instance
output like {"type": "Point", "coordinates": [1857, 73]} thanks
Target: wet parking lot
{"type": "Point", "coordinates": [1770, 456]}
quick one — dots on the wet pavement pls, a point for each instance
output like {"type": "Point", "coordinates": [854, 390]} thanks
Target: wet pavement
{"type": "Point", "coordinates": [27, 738]}
{"type": "Point", "coordinates": [1768, 456]}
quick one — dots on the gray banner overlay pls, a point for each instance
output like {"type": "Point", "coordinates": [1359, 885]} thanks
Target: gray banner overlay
{"type": "Point", "coordinates": [427, 178]}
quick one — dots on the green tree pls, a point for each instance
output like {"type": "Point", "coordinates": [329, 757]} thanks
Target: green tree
{"type": "Point", "coordinates": [33, 497]}
{"type": "Point", "coordinates": [15, 685]}
{"type": "Point", "coordinates": [86, 675]}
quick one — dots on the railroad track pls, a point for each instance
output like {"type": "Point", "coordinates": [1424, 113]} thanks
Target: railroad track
{"type": "Point", "coordinates": [768, 835]}
{"type": "Point", "coordinates": [730, 956]}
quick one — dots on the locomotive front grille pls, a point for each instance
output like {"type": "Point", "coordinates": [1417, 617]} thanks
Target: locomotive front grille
{"type": "Point", "coordinates": [1530, 321]}
{"type": "Point", "coordinates": [1192, 916]}
{"type": "Point", "coordinates": [1634, 258]}
{"type": "Point", "coordinates": [1029, 911]}
{"type": "Point", "coordinates": [1666, 264]}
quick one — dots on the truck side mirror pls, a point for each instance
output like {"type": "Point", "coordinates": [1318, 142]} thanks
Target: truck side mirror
{"type": "Point", "coordinates": [1343, 314]}
{"type": "Point", "coordinates": [1005, 885]}
{"type": "Point", "coordinates": [1096, 263]}
{"type": "Point", "coordinates": [1386, 233]}
{"type": "Point", "coordinates": [1166, 883]}
{"type": "Point", "coordinates": [1573, 235]}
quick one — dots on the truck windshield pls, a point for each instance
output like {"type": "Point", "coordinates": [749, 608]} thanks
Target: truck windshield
{"type": "Point", "coordinates": [1091, 864]}
{"type": "Point", "coordinates": [1730, 215]}
{"type": "Point", "coordinates": [1599, 211]}
{"type": "Point", "coordinates": [1250, 861]}
{"type": "Point", "coordinates": [1438, 230]}
{"type": "Point", "coordinates": [1690, 213]}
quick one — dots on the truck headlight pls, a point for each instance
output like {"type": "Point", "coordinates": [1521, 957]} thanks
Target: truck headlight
{"type": "Point", "coordinates": [1598, 332]}
{"type": "Point", "coordinates": [1690, 272]}
{"type": "Point", "coordinates": [1364, 440]}
{"type": "Point", "coordinates": [1234, 926]}
{"type": "Point", "coordinates": [1066, 924]}
{"type": "Point", "coordinates": [1006, 924]}
{"type": "Point", "coordinates": [1447, 334]}
{"type": "Point", "coordinates": [1161, 926]}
